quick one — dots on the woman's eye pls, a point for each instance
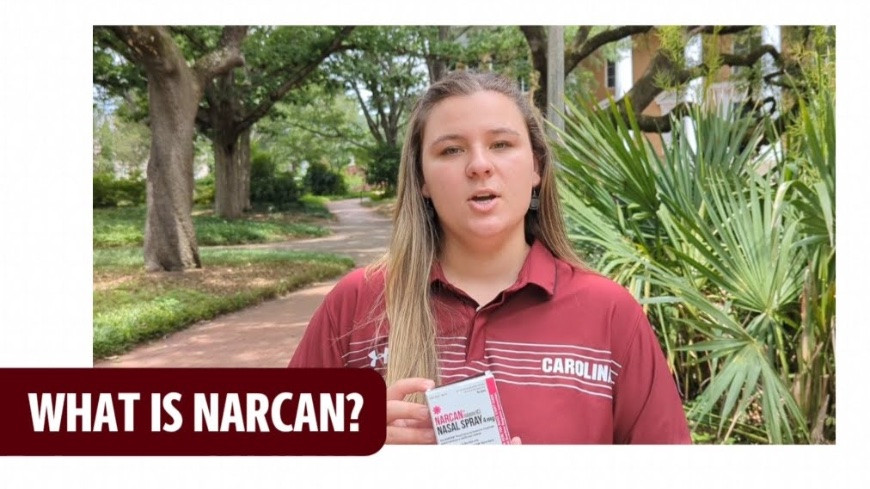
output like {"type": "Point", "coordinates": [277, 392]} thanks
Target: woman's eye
{"type": "Point", "coordinates": [452, 150]}
{"type": "Point", "coordinates": [501, 145]}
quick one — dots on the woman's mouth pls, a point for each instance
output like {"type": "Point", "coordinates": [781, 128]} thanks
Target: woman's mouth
{"type": "Point", "coordinates": [483, 202]}
{"type": "Point", "coordinates": [483, 198]}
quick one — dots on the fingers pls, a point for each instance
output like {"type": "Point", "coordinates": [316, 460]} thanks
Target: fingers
{"type": "Point", "coordinates": [516, 441]}
{"type": "Point", "coordinates": [414, 423]}
{"type": "Point", "coordinates": [408, 422]}
{"type": "Point", "coordinates": [397, 410]}
{"type": "Point", "coordinates": [406, 436]}
{"type": "Point", "coordinates": [405, 387]}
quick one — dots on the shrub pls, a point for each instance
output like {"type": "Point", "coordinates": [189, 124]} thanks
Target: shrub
{"type": "Point", "coordinates": [732, 257]}
{"type": "Point", "coordinates": [111, 192]}
{"type": "Point", "coordinates": [270, 187]}
{"type": "Point", "coordinates": [203, 191]}
{"type": "Point", "coordinates": [383, 167]}
{"type": "Point", "coordinates": [321, 180]}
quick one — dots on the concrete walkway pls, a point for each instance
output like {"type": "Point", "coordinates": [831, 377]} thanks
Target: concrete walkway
{"type": "Point", "coordinates": [267, 334]}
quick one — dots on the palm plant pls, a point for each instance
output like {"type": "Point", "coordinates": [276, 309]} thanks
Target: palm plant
{"type": "Point", "coordinates": [728, 243]}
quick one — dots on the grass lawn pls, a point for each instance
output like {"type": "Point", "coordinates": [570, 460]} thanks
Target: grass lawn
{"type": "Point", "coordinates": [125, 226]}
{"type": "Point", "coordinates": [131, 306]}
{"type": "Point", "coordinates": [383, 206]}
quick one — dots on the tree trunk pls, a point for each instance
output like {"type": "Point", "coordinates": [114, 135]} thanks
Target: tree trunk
{"type": "Point", "coordinates": [174, 92]}
{"type": "Point", "coordinates": [170, 240]}
{"type": "Point", "coordinates": [536, 37]}
{"type": "Point", "coordinates": [555, 77]}
{"type": "Point", "coordinates": [245, 158]}
{"type": "Point", "coordinates": [436, 63]}
{"type": "Point", "coordinates": [232, 164]}
{"type": "Point", "coordinates": [229, 123]}
{"type": "Point", "coordinates": [232, 156]}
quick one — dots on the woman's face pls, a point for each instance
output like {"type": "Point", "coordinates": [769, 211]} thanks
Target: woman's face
{"type": "Point", "coordinates": [478, 167]}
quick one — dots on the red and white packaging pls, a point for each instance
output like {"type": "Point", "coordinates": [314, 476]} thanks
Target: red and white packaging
{"type": "Point", "coordinates": [468, 412]}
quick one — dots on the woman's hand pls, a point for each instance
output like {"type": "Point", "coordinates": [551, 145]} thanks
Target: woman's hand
{"type": "Point", "coordinates": [408, 422]}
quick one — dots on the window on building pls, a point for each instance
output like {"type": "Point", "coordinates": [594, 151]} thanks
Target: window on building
{"type": "Point", "coordinates": [611, 74]}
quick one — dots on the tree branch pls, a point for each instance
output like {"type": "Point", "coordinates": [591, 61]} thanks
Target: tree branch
{"type": "Point", "coordinates": [203, 119]}
{"type": "Point", "coordinates": [574, 57]}
{"type": "Point", "coordinates": [119, 79]}
{"type": "Point", "coordinates": [188, 34]}
{"type": "Point", "coordinates": [227, 56]}
{"type": "Point", "coordinates": [379, 107]}
{"type": "Point", "coordinates": [710, 29]}
{"type": "Point", "coordinates": [750, 58]}
{"type": "Point", "coordinates": [294, 79]}
{"type": "Point", "coordinates": [151, 46]}
{"type": "Point", "coordinates": [373, 127]}
{"type": "Point", "coordinates": [662, 123]}
{"type": "Point", "coordinates": [334, 135]}
{"type": "Point", "coordinates": [536, 37]}
{"type": "Point", "coordinates": [579, 38]}
{"type": "Point", "coordinates": [108, 38]}
{"type": "Point", "coordinates": [644, 91]}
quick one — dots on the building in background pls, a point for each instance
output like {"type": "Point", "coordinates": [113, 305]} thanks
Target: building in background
{"type": "Point", "coordinates": [614, 78]}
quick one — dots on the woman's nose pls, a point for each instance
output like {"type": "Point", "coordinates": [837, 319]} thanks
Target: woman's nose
{"type": "Point", "coordinates": [479, 164]}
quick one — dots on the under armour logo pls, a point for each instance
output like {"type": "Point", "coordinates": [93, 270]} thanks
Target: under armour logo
{"type": "Point", "coordinates": [383, 357]}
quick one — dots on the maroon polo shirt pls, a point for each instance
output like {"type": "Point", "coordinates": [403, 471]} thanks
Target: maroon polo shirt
{"type": "Point", "coordinates": [573, 354]}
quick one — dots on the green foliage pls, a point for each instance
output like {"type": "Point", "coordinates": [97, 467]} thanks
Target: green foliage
{"type": "Point", "coordinates": [673, 42]}
{"type": "Point", "coordinates": [385, 65]}
{"type": "Point", "coordinates": [314, 207]}
{"type": "Point", "coordinates": [119, 227]}
{"type": "Point", "coordinates": [203, 191]}
{"type": "Point", "coordinates": [383, 167]}
{"type": "Point", "coordinates": [729, 246]}
{"type": "Point", "coordinates": [116, 79]}
{"type": "Point", "coordinates": [124, 227]}
{"type": "Point", "coordinates": [112, 192]}
{"type": "Point", "coordinates": [356, 183]}
{"type": "Point", "coordinates": [213, 230]}
{"type": "Point", "coordinates": [271, 188]}
{"type": "Point", "coordinates": [501, 49]}
{"type": "Point", "coordinates": [323, 128]}
{"type": "Point", "coordinates": [139, 307]}
{"type": "Point", "coordinates": [321, 180]}
{"type": "Point", "coordinates": [121, 146]}
{"type": "Point", "coordinates": [271, 52]}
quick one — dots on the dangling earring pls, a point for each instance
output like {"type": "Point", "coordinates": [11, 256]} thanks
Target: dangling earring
{"type": "Point", "coordinates": [535, 203]}
{"type": "Point", "coordinates": [430, 209]}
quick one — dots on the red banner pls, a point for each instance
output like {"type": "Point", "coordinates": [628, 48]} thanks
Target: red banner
{"type": "Point", "coordinates": [191, 411]}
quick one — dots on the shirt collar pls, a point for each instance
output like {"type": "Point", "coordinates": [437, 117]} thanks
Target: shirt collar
{"type": "Point", "coordinates": [539, 269]}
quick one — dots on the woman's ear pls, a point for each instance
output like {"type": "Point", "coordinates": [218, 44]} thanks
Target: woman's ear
{"type": "Point", "coordinates": [536, 180]}
{"type": "Point", "coordinates": [425, 191]}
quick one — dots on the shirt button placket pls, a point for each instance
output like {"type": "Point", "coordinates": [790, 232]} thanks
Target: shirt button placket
{"type": "Point", "coordinates": [476, 338]}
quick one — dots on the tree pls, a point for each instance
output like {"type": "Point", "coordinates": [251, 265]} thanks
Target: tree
{"type": "Point", "coordinates": [121, 146]}
{"type": "Point", "coordinates": [174, 91]}
{"type": "Point", "coordinates": [667, 69]}
{"type": "Point", "coordinates": [437, 46]}
{"type": "Point", "coordinates": [320, 127]}
{"type": "Point", "coordinates": [499, 49]}
{"type": "Point", "coordinates": [279, 60]}
{"type": "Point", "coordinates": [383, 73]}
{"type": "Point", "coordinates": [577, 49]}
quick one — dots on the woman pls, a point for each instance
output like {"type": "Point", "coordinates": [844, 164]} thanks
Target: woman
{"type": "Point", "coordinates": [481, 276]}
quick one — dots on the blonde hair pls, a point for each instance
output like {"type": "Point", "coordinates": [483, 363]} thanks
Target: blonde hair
{"type": "Point", "coordinates": [416, 240]}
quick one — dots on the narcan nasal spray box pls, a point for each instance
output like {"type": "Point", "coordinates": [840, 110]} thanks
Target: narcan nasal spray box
{"type": "Point", "coordinates": [468, 412]}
